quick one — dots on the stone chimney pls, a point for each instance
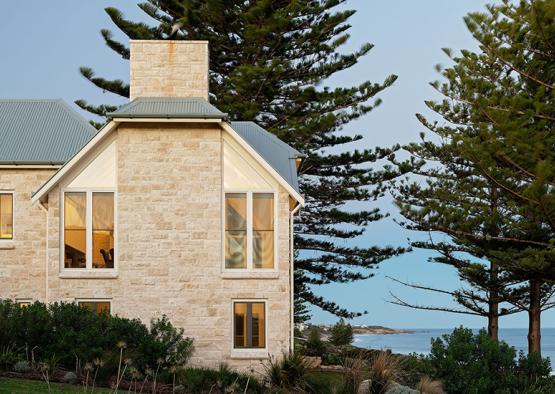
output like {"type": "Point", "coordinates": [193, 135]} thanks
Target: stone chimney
{"type": "Point", "coordinates": [166, 68]}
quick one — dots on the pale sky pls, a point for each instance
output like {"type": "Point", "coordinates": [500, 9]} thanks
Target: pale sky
{"type": "Point", "coordinates": [44, 42]}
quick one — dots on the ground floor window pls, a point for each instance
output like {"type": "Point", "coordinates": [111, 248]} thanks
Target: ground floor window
{"type": "Point", "coordinates": [24, 303]}
{"type": "Point", "coordinates": [249, 325]}
{"type": "Point", "coordinates": [98, 307]}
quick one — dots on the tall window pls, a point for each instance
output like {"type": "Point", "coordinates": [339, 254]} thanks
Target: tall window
{"type": "Point", "coordinates": [103, 230]}
{"type": "Point", "coordinates": [263, 230]}
{"type": "Point", "coordinates": [6, 215]}
{"type": "Point", "coordinates": [89, 230]}
{"type": "Point", "coordinates": [249, 231]}
{"type": "Point", "coordinates": [75, 230]}
{"type": "Point", "coordinates": [236, 230]}
{"type": "Point", "coordinates": [249, 325]}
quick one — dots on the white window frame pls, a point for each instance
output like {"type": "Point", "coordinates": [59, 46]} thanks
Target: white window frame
{"type": "Point", "coordinates": [250, 265]}
{"type": "Point", "coordinates": [253, 352]}
{"type": "Point", "coordinates": [88, 230]}
{"type": "Point", "coordinates": [10, 240]}
{"type": "Point", "coordinates": [21, 301]}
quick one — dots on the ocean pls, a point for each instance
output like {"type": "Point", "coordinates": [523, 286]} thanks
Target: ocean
{"type": "Point", "coordinates": [420, 340]}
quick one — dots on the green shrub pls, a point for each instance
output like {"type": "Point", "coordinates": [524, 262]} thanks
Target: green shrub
{"type": "Point", "coordinates": [477, 364]}
{"type": "Point", "coordinates": [203, 380]}
{"type": "Point", "coordinates": [314, 346]}
{"type": "Point", "coordinates": [341, 334]}
{"type": "Point", "coordinates": [332, 358]}
{"type": "Point", "coordinates": [74, 335]}
{"type": "Point", "coordinates": [8, 357]}
{"type": "Point", "coordinates": [289, 372]}
{"type": "Point", "coordinates": [22, 366]}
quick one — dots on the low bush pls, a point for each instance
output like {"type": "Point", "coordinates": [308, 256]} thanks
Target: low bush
{"type": "Point", "coordinates": [74, 336]}
{"type": "Point", "coordinates": [289, 372]}
{"type": "Point", "coordinates": [204, 380]}
{"type": "Point", "coordinates": [474, 363]}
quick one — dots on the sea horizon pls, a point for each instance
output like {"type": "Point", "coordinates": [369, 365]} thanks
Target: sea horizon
{"type": "Point", "coordinates": [419, 340]}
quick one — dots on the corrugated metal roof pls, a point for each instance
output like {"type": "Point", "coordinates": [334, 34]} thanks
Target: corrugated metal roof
{"type": "Point", "coordinates": [168, 107]}
{"type": "Point", "coordinates": [40, 131]}
{"type": "Point", "coordinates": [277, 153]}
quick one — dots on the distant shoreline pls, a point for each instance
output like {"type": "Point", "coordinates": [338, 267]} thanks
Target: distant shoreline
{"type": "Point", "coordinates": [379, 330]}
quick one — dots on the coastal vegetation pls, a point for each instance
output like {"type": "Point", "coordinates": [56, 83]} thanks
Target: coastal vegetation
{"type": "Point", "coordinates": [481, 180]}
{"type": "Point", "coordinates": [483, 176]}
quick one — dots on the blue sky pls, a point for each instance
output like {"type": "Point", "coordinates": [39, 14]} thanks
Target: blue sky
{"type": "Point", "coordinates": [44, 42]}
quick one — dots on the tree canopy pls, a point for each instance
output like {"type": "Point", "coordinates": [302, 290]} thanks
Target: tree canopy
{"type": "Point", "coordinates": [269, 63]}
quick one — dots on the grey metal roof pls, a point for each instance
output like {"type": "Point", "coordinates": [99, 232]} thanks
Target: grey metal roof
{"type": "Point", "coordinates": [168, 107]}
{"type": "Point", "coordinates": [277, 153]}
{"type": "Point", "coordinates": [40, 131]}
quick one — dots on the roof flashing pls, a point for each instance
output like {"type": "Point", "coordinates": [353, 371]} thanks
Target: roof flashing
{"type": "Point", "coordinates": [168, 108]}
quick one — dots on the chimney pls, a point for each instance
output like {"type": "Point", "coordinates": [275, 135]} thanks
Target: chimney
{"type": "Point", "coordinates": [166, 68]}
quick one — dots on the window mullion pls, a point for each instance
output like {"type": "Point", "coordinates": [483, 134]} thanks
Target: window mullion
{"type": "Point", "coordinates": [249, 325]}
{"type": "Point", "coordinates": [88, 229]}
{"type": "Point", "coordinates": [249, 231]}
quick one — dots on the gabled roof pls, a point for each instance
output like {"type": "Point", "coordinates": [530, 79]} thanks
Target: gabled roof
{"type": "Point", "coordinates": [278, 157]}
{"type": "Point", "coordinates": [168, 107]}
{"type": "Point", "coordinates": [40, 131]}
{"type": "Point", "coordinates": [282, 157]}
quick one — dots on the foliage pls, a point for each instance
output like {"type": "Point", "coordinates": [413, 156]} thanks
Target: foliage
{"type": "Point", "coordinates": [477, 364]}
{"type": "Point", "coordinates": [8, 357]}
{"type": "Point", "coordinates": [326, 382]}
{"type": "Point", "coordinates": [341, 334]}
{"type": "Point", "coordinates": [168, 344]}
{"type": "Point", "coordinates": [428, 386]}
{"type": "Point", "coordinates": [200, 380]}
{"type": "Point", "coordinates": [385, 370]}
{"type": "Point", "coordinates": [400, 389]}
{"type": "Point", "coordinates": [355, 372]}
{"type": "Point", "coordinates": [488, 167]}
{"type": "Point", "coordinates": [288, 372]}
{"type": "Point", "coordinates": [22, 366]}
{"type": "Point", "coordinates": [269, 63]}
{"type": "Point", "coordinates": [71, 335]}
{"type": "Point", "coordinates": [314, 346]}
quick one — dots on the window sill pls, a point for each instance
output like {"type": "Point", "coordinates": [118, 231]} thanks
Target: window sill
{"type": "Point", "coordinates": [250, 275]}
{"type": "Point", "coordinates": [4, 244]}
{"type": "Point", "coordinates": [88, 275]}
{"type": "Point", "coordinates": [250, 354]}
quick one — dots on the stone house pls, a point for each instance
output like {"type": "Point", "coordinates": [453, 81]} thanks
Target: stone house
{"type": "Point", "coordinates": [169, 209]}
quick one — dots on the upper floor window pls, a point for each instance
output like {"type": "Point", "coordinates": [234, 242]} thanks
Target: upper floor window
{"type": "Point", "coordinates": [89, 229]}
{"type": "Point", "coordinates": [250, 231]}
{"type": "Point", "coordinates": [6, 215]}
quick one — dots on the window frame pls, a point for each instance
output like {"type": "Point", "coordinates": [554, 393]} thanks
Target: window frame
{"type": "Point", "coordinates": [88, 230]}
{"type": "Point", "coordinates": [12, 193]}
{"type": "Point", "coordinates": [263, 351]}
{"type": "Point", "coordinates": [93, 301]}
{"type": "Point", "coordinates": [250, 265]}
{"type": "Point", "coordinates": [24, 302]}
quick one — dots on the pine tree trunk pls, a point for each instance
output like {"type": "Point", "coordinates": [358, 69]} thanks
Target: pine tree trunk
{"type": "Point", "coordinates": [493, 305]}
{"type": "Point", "coordinates": [534, 315]}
